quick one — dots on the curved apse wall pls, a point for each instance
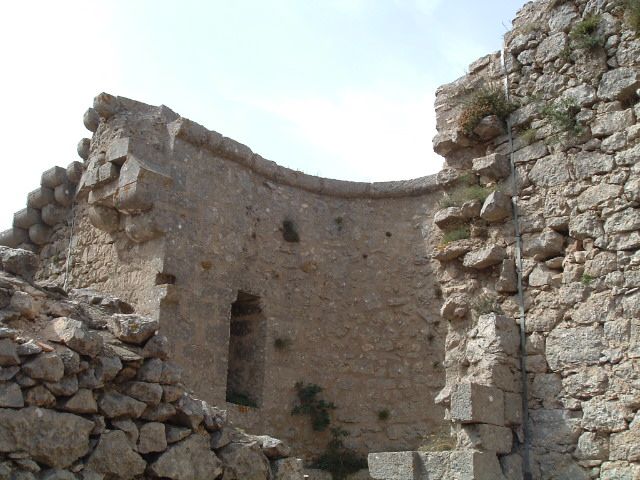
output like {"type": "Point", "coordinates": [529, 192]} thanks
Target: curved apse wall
{"type": "Point", "coordinates": [331, 280]}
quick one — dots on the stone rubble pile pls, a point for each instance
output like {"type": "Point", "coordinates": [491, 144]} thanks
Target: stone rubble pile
{"type": "Point", "coordinates": [87, 391]}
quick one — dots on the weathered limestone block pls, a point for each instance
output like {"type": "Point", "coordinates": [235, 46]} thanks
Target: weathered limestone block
{"type": "Point", "coordinates": [626, 220]}
{"type": "Point", "coordinates": [244, 461]}
{"type": "Point", "coordinates": [632, 190]}
{"type": "Point", "coordinates": [585, 225]}
{"type": "Point", "coordinates": [132, 328]}
{"type": "Point", "coordinates": [583, 95]}
{"type": "Point", "coordinates": [176, 434]}
{"type": "Point", "coordinates": [609, 123]}
{"type": "Point", "coordinates": [113, 405]}
{"type": "Point", "coordinates": [11, 395]}
{"type": "Point", "coordinates": [40, 197]}
{"type": "Point", "coordinates": [84, 148]}
{"type": "Point", "coordinates": [495, 166]}
{"type": "Point", "coordinates": [118, 150]}
{"type": "Point", "coordinates": [454, 307]}
{"type": "Point", "coordinates": [551, 47]}
{"type": "Point", "coordinates": [8, 354]}
{"type": "Point", "coordinates": [550, 171]}
{"type": "Point", "coordinates": [287, 469]}
{"type": "Point", "coordinates": [628, 157]}
{"type": "Point", "coordinates": [192, 132]}
{"type": "Point", "coordinates": [39, 234]}
{"type": "Point", "coordinates": [19, 262]}
{"type": "Point", "coordinates": [272, 448]}
{"type": "Point", "coordinates": [473, 403]}
{"type": "Point", "coordinates": [13, 237]}
{"type": "Point", "coordinates": [496, 207]}
{"type": "Point", "coordinates": [64, 194]}
{"type": "Point", "coordinates": [453, 250]}
{"type": "Point", "coordinates": [53, 177]}
{"type": "Point", "coordinates": [52, 438]}
{"type": "Point", "coordinates": [448, 217]}
{"type": "Point", "coordinates": [81, 402]}
{"type": "Point", "coordinates": [104, 218]}
{"type": "Point", "coordinates": [541, 276]}
{"type": "Point", "coordinates": [26, 217]}
{"type": "Point", "coordinates": [530, 152]}
{"type": "Point", "coordinates": [392, 465]}
{"type": "Point", "coordinates": [489, 127]}
{"type": "Point", "coordinates": [65, 387]}
{"type": "Point", "coordinates": [619, 84]}
{"type": "Point", "coordinates": [554, 428]}
{"type": "Point", "coordinates": [512, 408]}
{"type": "Point", "coordinates": [74, 172]}
{"type": "Point", "coordinates": [586, 164]}
{"type": "Point", "coordinates": [592, 446]}
{"type": "Point", "coordinates": [141, 228]}
{"type": "Point", "coordinates": [54, 214]}
{"type": "Point", "coordinates": [484, 257]}
{"type": "Point", "coordinates": [190, 459]}
{"type": "Point", "coordinates": [114, 457]}
{"type": "Point", "coordinates": [149, 393]}
{"type": "Point", "coordinates": [106, 105]}
{"type": "Point", "coordinates": [542, 246]}
{"type": "Point", "coordinates": [494, 335]}
{"type": "Point", "coordinates": [603, 416]}
{"type": "Point", "coordinates": [138, 186]}
{"type": "Point", "coordinates": [46, 366]}
{"type": "Point", "coordinates": [487, 438]}
{"type": "Point", "coordinates": [91, 120]}
{"type": "Point", "coordinates": [574, 347]}
{"type": "Point", "coordinates": [626, 445]}
{"type": "Point", "coordinates": [107, 173]}
{"type": "Point", "coordinates": [75, 335]}
{"type": "Point", "coordinates": [619, 471]}
{"type": "Point", "coordinates": [152, 438]}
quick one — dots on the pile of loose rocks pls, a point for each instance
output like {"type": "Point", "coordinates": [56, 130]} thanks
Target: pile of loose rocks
{"type": "Point", "coordinates": [87, 392]}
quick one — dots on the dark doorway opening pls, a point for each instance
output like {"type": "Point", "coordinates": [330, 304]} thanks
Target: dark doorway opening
{"type": "Point", "coordinates": [247, 342]}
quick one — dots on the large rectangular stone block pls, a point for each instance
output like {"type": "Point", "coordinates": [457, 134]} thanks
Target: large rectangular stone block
{"type": "Point", "coordinates": [392, 465]}
{"type": "Point", "coordinates": [117, 151]}
{"type": "Point", "coordinates": [488, 438]}
{"type": "Point", "coordinates": [458, 465]}
{"type": "Point", "coordinates": [473, 403]}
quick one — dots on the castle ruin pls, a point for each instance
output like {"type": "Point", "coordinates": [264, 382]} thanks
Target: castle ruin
{"type": "Point", "coordinates": [494, 306]}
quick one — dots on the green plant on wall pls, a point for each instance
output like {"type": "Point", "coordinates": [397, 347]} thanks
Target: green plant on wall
{"type": "Point", "coordinates": [632, 14]}
{"type": "Point", "coordinates": [459, 233]}
{"type": "Point", "coordinates": [485, 101]}
{"type": "Point", "coordinates": [584, 34]}
{"type": "Point", "coordinates": [563, 115]}
{"type": "Point", "coordinates": [339, 460]}
{"type": "Point", "coordinates": [464, 193]}
{"type": "Point", "coordinates": [309, 404]}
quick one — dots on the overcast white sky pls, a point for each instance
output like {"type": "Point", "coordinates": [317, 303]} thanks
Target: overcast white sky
{"type": "Point", "coordinates": [337, 88]}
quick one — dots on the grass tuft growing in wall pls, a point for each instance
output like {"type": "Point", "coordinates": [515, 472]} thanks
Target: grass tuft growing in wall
{"type": "Point", "coordinates": [459, 233]}
{"type": "Point", "coordinates": [562, 115]}
{"type": "Point", "coordinates": [584, 34]}
{"type": "Point", "coordinates": [486, 101]}
{"type": "Point", "coordinates": [459, 195]}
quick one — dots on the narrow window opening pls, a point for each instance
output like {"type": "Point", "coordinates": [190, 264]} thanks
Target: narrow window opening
{"type": "Point", "coordinates": [247, 342]}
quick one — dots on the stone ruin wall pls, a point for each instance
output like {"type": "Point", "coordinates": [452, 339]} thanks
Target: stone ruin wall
{"type": "Point", "coordinates": [88, 392]}
{"type": "Point", "coordinates": [575, 150]}
{"type": "Point", "coordinates": [577, 197]}
{"type": "Point", "coordinates": [178, 220]}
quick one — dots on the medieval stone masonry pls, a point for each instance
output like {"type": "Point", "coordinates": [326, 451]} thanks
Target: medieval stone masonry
{"type": "Point", "coordinates": [482, 323]}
